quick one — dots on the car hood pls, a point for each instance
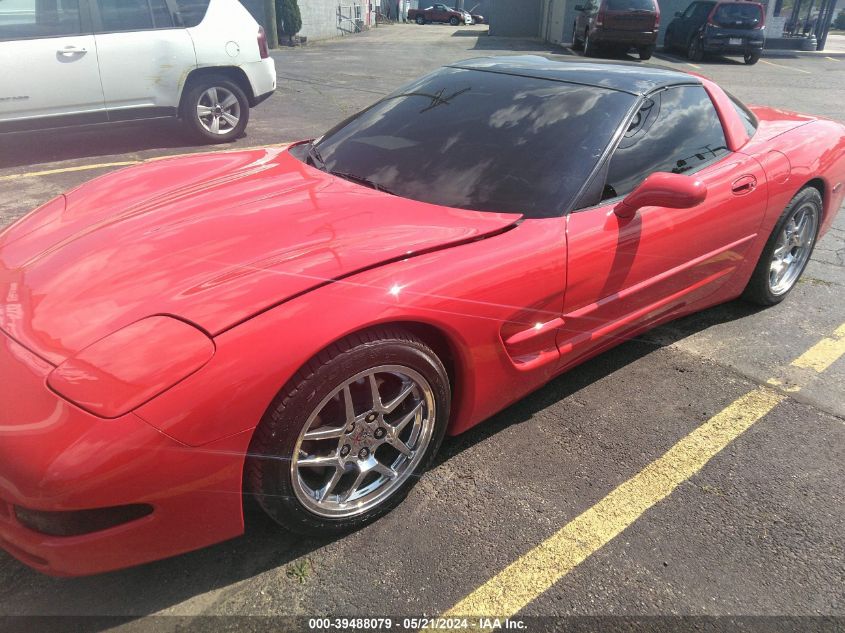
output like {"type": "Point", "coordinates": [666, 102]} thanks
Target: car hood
{"type": "Point", "coordinates": [211, 238]}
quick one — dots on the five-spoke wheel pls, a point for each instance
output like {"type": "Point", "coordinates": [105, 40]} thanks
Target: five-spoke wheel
{"type": "Point", "coordinates": [214, 109]}
{"type": "Point", "coordinates": [351, 432]}
{"type": "Point", "coordinates": [363, 441]}
{"type": "Point", "coordinates": [788, 249]}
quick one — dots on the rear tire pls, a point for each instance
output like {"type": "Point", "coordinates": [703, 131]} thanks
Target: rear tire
{"type": "Point", "coordinates": [787, 251]}
{"type": "Point", "coordinates": [645, 52]}
{"type": "Point", "coordinates": [214, 103]}
{"type": "Point", "coordinates": [368, 455]}
{"type": "Point", "coordinates": [420, 20]}
{"type": "Point", "coordinates": [752, 58]}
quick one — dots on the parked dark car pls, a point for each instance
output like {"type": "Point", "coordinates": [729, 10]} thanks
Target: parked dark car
{"type": "Point", "coordinates": [729, 28]}
{"type": "Point", "coordinates": [620, 24]}
{"type": "Point", "coordinates": [439, 13]}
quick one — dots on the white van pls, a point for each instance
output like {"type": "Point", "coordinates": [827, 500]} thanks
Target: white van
{"type": "Point", "coordinates": [73, 62]}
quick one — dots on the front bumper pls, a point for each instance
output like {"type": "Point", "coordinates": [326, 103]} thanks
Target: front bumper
{"type": "Point", "coordinates": [57, 457]}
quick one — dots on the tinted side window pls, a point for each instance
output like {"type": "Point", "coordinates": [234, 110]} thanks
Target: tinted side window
{"type": "Point", "coordinates": [691, 9]}
{"type": "Point", "coordinates": [677, 130]}
{"type": "Point", "coordinates": [125, 15]}
{"type": "Point", "coordinates": [21, 19]}
{"type": "Point", "coordinates": [745, 115]}
{"type": "Point", "coordinates": [191, 12]}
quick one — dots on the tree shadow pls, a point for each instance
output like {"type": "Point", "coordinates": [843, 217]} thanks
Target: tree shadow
{"type": "Point", "coordinates": [109, 599]}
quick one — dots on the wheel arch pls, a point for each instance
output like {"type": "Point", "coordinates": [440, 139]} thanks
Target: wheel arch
{"type": "Point", "coordinates": [232, 73]}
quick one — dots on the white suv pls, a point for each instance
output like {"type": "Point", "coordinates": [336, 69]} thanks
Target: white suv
{"type": "Point", "coordinates": [70, 62]}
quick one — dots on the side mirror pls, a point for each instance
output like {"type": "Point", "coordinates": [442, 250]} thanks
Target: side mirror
{"type": "Point", "coordinates": [579, 7]}
{"type": "Point", "coordinates": [662, 189]}
{"type": "Point", "coordinates": [678, 14]}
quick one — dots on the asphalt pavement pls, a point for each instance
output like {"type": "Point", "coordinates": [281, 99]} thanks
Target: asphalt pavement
{"type": "Point", "coordinates": [517, 507]}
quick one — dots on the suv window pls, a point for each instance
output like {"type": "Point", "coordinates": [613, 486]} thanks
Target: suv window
{"type": "Point", "coordinates": [677, 130]}
{"type": "Point", "coordinates": [134, 15]}
{"type": "Point", "coordinates": [699, 10]}
{"type": "Point", "coordinates": [191, 12]}
{"type": "Point", "coordinates": [480, 140]}
{"type": "Point", "coordinates": [20, 19]}
{"type": "Point", "coordinates": [738, 14]}
{"type": "Point", "coordinates": [629, 5]}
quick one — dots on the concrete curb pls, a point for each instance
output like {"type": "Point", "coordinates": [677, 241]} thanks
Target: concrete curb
{"type": "Point", "coordinates": [787, 53]}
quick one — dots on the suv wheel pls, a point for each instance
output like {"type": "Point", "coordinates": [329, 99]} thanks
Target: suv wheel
{"type": "Point", "coordinates": [577, 44]}
{"type": "Point", "coordinates": [645, 52]}
{"type": "Point", "coordinates": [752, 57]}
{"type": "Point", "coordinates": [694, 50]}
{"type": "Point", "coordinates": [590, 48]}
{"type": "Point", "coordinates": [215, 110]}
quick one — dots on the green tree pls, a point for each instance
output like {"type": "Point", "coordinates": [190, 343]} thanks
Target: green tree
{"type": "Point", "coordinates": [288, 16]}
{"type": "Point", "coordinates": [839, 23]}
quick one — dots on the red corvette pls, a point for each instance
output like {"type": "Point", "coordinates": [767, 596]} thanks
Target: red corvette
{"type": "Point", "coordinates": [305, 325]}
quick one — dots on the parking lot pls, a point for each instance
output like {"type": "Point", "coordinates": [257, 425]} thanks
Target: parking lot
{"type": "Point", "coordinates": [744, 519]}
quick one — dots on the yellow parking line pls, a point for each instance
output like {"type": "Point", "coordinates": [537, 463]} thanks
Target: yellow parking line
{"type": "Point", "coordinates": [824, 353]}
{"type": "Point", "coordinates": [521, 582]}
{"type": "Point", "coordinates": [532, 574]}
{"type": "Point", "coordinates": [798, 70]}
{"type": "Point", "coordinates": [65, 170]}
{"type": "Point", "coordinates": [124, 163]}
{"type": "Point", "coordinates": [833, 59]}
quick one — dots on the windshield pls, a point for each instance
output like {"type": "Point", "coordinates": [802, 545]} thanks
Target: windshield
{"type": "Point", "coordinates": [738, 14]}
{"type": "Point", "coordinates": [479, 140]}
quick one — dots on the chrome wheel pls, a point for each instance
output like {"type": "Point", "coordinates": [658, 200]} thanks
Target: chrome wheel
{"type": "Point", "coordinates": [793, 248]}
{"type": "Point", "coordinates": [363, 441]}
{"type": "Point", "coordinates": [218, 110]}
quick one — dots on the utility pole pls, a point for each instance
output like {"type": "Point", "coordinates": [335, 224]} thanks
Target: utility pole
{"type": "Point", "coordinates": [271, 31]}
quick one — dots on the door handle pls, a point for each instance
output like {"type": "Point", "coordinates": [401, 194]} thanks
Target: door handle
{"type": "Point", "coordinates": [67, 51]}
{"type": "Point", "coordinates": [743, 185]}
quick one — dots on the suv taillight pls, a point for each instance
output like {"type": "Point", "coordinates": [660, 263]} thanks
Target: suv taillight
{"type": "Point", "coordinates": [262, 43]}
{"type": "Point", "coordinates": [600, 17]}
{"type": "Point", "coordinates": [657, 20]}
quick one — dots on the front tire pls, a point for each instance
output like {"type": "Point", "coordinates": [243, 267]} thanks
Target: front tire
{"type": "Point", "coordinates": [453, 21]}
{"type": "Point", "coordinates": [420, 20]}
{"type": "Point", "coordinates": [348, 436]}
{"type": "Point", "coordinates": [787, 251]}
{"type": "Point", "coordinates": [214, 110]}
{"type": "Point", "coordinates": [695, 53]}
{"type": "Point", "coordinates": [590, 47]}
{"type": "Point", "coordinates": [577, 44]}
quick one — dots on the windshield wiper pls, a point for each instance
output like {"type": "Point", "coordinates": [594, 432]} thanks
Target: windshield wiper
{"type": "Point", "coordinates": [315, 158]}
{"type": "Point", "coordinates": [361, 181]}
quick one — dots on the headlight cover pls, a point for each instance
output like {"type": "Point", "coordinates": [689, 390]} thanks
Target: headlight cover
{"type": "Point", "coordinates": [129, 367]}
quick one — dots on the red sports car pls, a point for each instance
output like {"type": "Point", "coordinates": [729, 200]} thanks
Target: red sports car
{"type": "Point", "coordinates": [305, 325]}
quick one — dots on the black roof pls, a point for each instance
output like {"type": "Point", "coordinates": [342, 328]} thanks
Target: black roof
{"type": "Point", "coordinates": [630, 77]}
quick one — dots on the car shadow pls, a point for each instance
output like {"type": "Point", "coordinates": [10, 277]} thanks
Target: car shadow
{"type": "Point", "coordinates": [486, 42]}
{"type": "Point", "coordinates": [109, 599]}
{"type": "Point", "coordinates": [91, 141]}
